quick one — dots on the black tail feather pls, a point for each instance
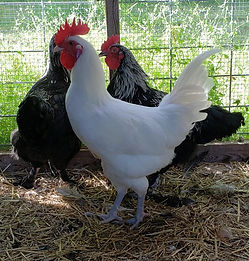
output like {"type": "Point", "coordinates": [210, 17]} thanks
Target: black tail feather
{"type": "Point", "coordinates": [219, 124]}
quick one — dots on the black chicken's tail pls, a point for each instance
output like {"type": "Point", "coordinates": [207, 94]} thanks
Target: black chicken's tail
{"type": "Point", "coordinates": [219, 123]}
{"type": "Point", "coordinates": [19, 146]}
{"type": "Point", "coordinates": [14, 140]}
{"type": "Point", "coordinates": [34, 118]}
{"type": "Point", "coordinates": [29, 152]}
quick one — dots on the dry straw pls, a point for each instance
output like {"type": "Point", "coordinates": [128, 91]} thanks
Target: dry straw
{"type": "Point", "coordinates": [210, 222]}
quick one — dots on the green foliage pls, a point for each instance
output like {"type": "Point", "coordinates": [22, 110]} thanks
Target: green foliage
{"type": "Point", "coordinates": [163, 36]}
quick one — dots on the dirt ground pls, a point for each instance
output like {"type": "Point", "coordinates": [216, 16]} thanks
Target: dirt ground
{"type": "Point", "coordinates": [203, 215]}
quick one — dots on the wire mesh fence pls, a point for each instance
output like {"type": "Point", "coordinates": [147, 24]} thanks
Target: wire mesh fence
{"type": "Point", "coordinates": [163, 35]}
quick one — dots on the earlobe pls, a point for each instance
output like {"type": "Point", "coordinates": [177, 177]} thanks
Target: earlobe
{"type": "Point", "coordinates": [79, 50]}
{"type": "Point", "coordinates": [78, 53]}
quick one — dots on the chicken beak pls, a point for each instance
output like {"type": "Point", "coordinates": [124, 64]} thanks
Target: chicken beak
{"type": "Point", "coordinates": [102, 54]}
{"type": "Point", "coordinates": [57, 49]}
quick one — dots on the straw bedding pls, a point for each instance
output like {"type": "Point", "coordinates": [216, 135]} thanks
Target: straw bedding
{"type": "Point", "coordinates": [200, 216]}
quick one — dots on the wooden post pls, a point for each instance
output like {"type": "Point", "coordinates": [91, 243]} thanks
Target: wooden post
{"type": "Point", "coordinates": [112, 20]}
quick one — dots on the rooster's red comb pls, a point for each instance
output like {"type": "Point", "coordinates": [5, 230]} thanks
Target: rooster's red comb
{"type": "Point", "coordinates": [110, 41]}
{"type": "Point", "coordinates": [67, 30]}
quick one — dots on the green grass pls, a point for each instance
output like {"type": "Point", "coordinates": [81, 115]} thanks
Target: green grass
{"type": "Point", "coordinates": [150, 29]}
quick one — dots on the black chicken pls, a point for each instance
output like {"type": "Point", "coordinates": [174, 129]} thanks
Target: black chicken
{"type": "Point", "coordinates": [44, 134]}
{"type": "Point", "coordinates": [130, 83]}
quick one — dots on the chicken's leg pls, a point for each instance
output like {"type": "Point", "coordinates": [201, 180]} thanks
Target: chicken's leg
{"type": "Point", "coordinates": [140, 212]}
{"type": "Point", "coordinates": [112, 214]}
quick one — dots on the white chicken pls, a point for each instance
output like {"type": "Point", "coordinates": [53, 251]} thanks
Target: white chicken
{"type": "Point", "coordinates": [132, 141]}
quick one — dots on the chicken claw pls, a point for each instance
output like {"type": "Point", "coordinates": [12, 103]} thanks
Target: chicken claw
{"type": "Point", "coordinates": [134, 222]}
{"type": "Point", "coordinates": [106, 218]}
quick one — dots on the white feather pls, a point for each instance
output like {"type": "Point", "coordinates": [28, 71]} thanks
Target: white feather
{"type": "Point", "coordinates": [133, 141]}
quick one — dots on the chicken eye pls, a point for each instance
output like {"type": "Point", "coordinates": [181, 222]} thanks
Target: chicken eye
{"type": "Point", "coordinates": [71, 43]}
{"type": "Point", "coordinates": [114, 50]}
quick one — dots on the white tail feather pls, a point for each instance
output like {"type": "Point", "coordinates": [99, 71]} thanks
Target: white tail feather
{"type": "Point", "coordinates": [192, 87]}
{"type": "Point", "coordinates": [190, 96]}
{"type": "Point", "coordinates": [194, 69]}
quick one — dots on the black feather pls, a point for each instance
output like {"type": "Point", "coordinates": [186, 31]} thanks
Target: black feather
{"type": "Point", "coordinates": [44, 132]}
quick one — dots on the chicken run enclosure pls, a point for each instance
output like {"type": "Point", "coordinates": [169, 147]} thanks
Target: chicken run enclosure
{"type": "Point", "coordinates": [198, 211]}
{"type": "Point", "coordinates": [163, 35]}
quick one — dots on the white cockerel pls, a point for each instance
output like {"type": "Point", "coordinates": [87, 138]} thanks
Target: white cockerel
{"type": "Point", "coordinates": [132, 141]}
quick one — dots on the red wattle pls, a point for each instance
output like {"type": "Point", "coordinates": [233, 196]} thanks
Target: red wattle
{"type": "Point", "coordinates": [67, 60]}
{"type": "Point", "coordinates": [112, 63]}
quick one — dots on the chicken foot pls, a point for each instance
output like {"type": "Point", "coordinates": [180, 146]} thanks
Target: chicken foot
{"type": "Point", "coordinates": [112, 214]}
{"type": "Point", "coordinates": [28, 181]}
{"type": "Point", "coordinates": [66, 178]}
{"type": "Point", "coordinates": [62, 172]}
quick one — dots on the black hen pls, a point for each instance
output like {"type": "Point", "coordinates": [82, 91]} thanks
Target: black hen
{"type": "Point", "coordinates": [130, 83]}
{"type": "Point", "coordinates": [44, 134]}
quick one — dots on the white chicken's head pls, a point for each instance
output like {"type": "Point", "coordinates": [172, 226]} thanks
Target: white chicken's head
{"type": "Point", "coordinates": [70, 49]}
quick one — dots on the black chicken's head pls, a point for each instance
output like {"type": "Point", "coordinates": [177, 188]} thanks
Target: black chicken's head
{"type": "Point", "coordinates": [54, 56]}
{"type": "Point", "coordinates": [119, 57]}
{"type": "Point", "coordinates": [54, 59]}
{"type": "Point", "coordinates": [129, 78]}
{"type": "Point", "coordinates": [113, 55]}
